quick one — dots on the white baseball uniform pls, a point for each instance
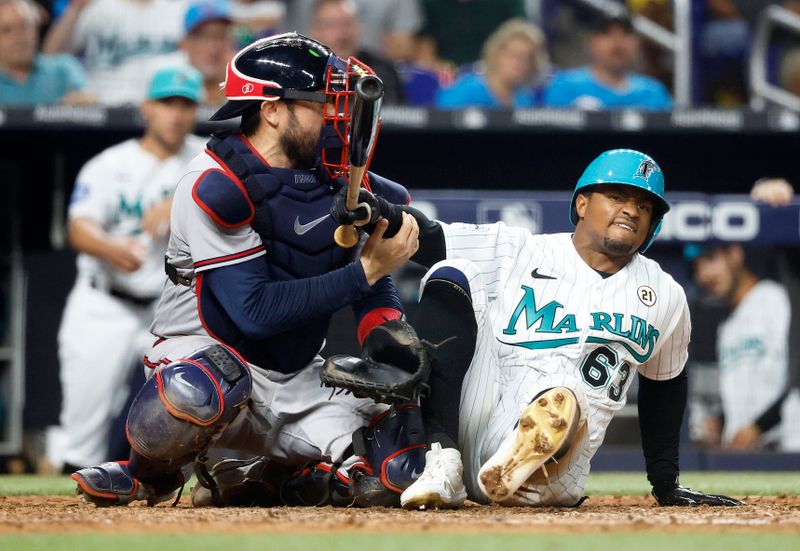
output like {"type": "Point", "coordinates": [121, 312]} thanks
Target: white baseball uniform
{"type": "Point", "coordinates": [119, 40]}
{"type": "Point", "coordinates": [104, 327]}
{"type": "Point", "coordinates": [545, 319]}
{"type": "Point", "coordinates": [753, 353]}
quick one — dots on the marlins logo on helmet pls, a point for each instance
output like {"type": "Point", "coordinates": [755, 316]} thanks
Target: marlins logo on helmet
{"type": "Point", "coordinates": [646, 168]}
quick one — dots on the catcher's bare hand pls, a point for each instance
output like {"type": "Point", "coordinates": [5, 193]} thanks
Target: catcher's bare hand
{"type": "Point", "coordinates": [680, 496]}
{"type": "Point", "coordinates": [381, 257]}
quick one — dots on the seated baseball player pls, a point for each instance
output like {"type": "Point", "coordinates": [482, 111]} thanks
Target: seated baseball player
{"type": "Point", "coordinates": [254, 278]}
{"type": "Point", "coordinates": [553, 327]}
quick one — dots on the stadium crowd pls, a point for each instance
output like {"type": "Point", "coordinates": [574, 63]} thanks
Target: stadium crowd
{"type": "Point", "coordinates": [432, 53]}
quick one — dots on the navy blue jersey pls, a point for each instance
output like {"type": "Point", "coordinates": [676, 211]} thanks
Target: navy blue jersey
{"type": "Point", "coordinates": [273, 304]}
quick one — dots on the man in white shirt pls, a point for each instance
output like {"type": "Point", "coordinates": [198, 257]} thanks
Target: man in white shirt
{"type": "Point", "coordinates": [118, 223]}
{"type": "Point", "coordinates": [752, 346]}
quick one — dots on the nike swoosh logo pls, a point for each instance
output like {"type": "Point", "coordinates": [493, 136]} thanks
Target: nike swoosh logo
{"type": "Point", "coordinates": [536, 275]}
{"type": "Point", "coordinates": [301, 229]}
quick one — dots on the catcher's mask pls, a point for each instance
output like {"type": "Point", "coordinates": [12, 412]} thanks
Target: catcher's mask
{"type": "Point", "coordinates": [294, 67]}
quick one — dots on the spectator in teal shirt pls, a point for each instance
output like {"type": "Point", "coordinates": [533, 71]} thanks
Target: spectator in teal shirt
{"type": "Point", "coordinates": [29, 78]}
{"type": "Point", "coordinates": [609, 81]}
{"type": "Point", "coordinates": [513, 58]}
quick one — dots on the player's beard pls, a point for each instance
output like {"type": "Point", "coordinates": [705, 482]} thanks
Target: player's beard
{"type": "Point", "coordinates": [615, 247]}
{"type": "Point", "coordinates": [299, 147]}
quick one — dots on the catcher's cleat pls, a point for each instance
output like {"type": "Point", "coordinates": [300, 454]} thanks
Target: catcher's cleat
{"type": "Point", "coordinates": [238, 482]}
{"type": "Point", "coordinates": [441, 484]}
{"type": "Point", "coordinates": [544, 431]}
{"type": "Point", "coordinates": [112, 484]}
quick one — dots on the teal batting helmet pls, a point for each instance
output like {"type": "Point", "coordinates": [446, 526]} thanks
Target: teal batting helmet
{"type": "Point", "coordinates": [626, 167]}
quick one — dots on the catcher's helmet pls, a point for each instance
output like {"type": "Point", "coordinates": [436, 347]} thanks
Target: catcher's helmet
{"type": "Point", "coordinates": [292, 66]}
{"type": "Point", "coordinates": [630, 168]}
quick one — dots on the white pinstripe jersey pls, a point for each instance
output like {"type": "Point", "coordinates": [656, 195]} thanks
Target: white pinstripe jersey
{"type": "Point", "coordinates": [753, 352]}
{"type": "Point", "coordinates": [549, 311]}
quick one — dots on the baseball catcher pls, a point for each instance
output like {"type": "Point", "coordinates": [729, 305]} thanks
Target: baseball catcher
{"type": "Point", "coordinates": [254, 278]}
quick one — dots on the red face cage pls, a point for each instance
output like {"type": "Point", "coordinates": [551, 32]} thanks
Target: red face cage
{"type": "Point", "coordinates": [340, 88]}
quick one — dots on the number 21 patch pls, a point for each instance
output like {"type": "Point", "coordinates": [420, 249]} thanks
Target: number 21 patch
{"type": "Point", "coordinates": [646, 294]}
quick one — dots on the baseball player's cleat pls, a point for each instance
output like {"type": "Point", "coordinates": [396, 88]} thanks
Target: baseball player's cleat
{"type": "Point", "coordinates": [441, 484]}
{"type": "Point", "coordinates": [545, 427]}
{"type": "Point", "coordinates": [112, 484]}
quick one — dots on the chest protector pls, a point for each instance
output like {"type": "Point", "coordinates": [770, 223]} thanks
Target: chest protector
{"type": "Point", "coordinates": [291, 215]}
{"type": "Point", "coordinates": [291, 212]}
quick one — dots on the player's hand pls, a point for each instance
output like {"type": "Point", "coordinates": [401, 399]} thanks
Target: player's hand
{"type": "Point", "coordinates": [156, 220]}
{"type": "Point", "coordinates": [686, 497]}
{"type": "Point", "coordinates": [79, 4]}
{"type": "Point", "coordinates": [79, 97]}
{"type": "Point", "coordinates": [746, 437]}
{"type": "Point", "coordinates": [380, 256]}
{"type": "Point", "coordinates": [126, 254]}
{"type": "Point", "coordinates": [710, 432]}
{"type": "Point", "coordinates": [367, 211]}
{"type": "Point", "coordinates": [776, 192]}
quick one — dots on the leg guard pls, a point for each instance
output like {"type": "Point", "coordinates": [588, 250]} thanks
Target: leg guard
{"type": "Point", "coordinates": [185, 404]}
{"type": "Point", "coordinates": [108, 484]}
{"type": "Point", "coordinates": [393, 450]}
{"type": "Point", "coordinates": [174, 417]}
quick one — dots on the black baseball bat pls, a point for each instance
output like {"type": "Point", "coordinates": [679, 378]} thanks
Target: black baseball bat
{"type": "Point", "coordinates": [363, 132]}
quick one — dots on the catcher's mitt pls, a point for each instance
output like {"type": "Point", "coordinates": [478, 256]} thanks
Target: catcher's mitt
{"type": "Point", "coordinates": [394, 366]}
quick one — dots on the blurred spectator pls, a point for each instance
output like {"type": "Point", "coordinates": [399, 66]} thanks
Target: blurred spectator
{"type": "Point", "coordinates": [752, 346]}
{"type": "Point", "coordinates": [118, 223]}
{"type": "Point", "coordinates": [609, 81]}
{"type": "Point", "coordinates": [118, 41]}
{"type": "Point", "coordinates": [209, 44]}
{"type": "Point", "coordinates": [30, 78]}
{"type": "Point", "coordinates": [514, 58]}
{"type": "Point", "coordinates": [254, 19]}
{"type": "Point", "coordinates": [335, 24]}
{"type": "Point", "coordinates": [725, 37]}
{"type": "Point", "coordinates": [777, 192]}
{"type": "Point", "coordinates": [655, 61]}
{"type": "Point", "coordinates": [454, 30]}
{"type": "Point", "coordinates": [790, 71]}
{"type": "Point", "coordinates": [388, 27]}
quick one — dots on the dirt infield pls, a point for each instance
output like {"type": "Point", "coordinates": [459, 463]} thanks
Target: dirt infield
{"type": "Point", "coordinates": [30, 515]}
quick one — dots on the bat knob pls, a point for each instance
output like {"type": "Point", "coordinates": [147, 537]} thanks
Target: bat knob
{"type": "Point", "coordinates": [369, 88]}
{"type": "Point", "coordinates": [346, 236]}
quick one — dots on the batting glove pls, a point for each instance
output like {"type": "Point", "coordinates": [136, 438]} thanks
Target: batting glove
{"type": "Point", "coordinates": [370, 209]}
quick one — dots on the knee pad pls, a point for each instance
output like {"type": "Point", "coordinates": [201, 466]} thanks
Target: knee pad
{"type": "Point", "coordinates": [393, 448]}
{"type": "Point", "coordinates": [185, 404]}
